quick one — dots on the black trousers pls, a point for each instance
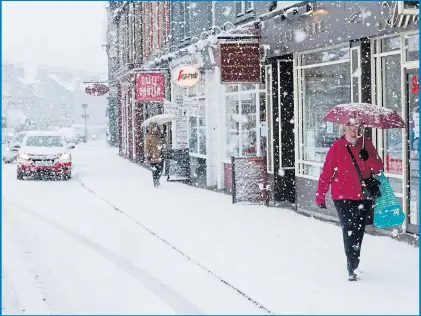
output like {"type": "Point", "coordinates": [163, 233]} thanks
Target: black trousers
{"type": "Point", "coordinates": [157, 171]}
{"type": "Point", "coordinates": [353, 217]}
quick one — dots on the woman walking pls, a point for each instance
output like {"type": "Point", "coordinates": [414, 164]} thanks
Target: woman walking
{"type": "Point", "coordinates": [341, 174]}
{"type": "Point", "coordinates": [154, 145]}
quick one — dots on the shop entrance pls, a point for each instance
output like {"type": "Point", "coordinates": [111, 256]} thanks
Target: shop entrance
{"type": "Point", "coordinates": [413, 133]}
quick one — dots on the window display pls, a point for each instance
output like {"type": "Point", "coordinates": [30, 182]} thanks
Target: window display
{"type": "Point", "coordinates": [390, 95]}
{"type": "Point", "coordinates": [322, 87]}
{"type": "Point", "coordinates": [191, 122]}
{"type": "Point", "coordinates": [243, 120]}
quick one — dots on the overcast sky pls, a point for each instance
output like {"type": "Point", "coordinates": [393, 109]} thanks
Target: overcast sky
{"type": "Point", "coordinates": [57, 33]}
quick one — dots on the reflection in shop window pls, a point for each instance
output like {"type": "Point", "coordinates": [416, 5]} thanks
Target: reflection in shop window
{"type": "Point", "coordinates": [248, 124]}
{"type": "Point", "coordinates": [323, 88]}
{"type": "Point", "coordinates": [390, 44]}
{"type": "Point", "coordinates": [197, 128]}
{"type": "Point", "coordinates": [320, 57]}
{"type": "Point", "coordinates": [232, 106]}
{"type": "Point", "coordinates": [412, 45]}
{"type": "Point", "coordinates": [242, 115]}
{"type": "Point", "coordinates": [392, 97]}
{"type": "Point", "coordinates": [193, 135]}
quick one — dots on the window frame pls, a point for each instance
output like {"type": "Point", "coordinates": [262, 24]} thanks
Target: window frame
{"type": "Point", "coordinates": [257, 90]}
{"type": "Point", "coordinates": [243, 9]}
{"type": "Point", "coordinates": [299, 92]}
{"type": "Point", "coordinates": [198, 97]}
{"type": "Point", "coordinates": [377, 91]}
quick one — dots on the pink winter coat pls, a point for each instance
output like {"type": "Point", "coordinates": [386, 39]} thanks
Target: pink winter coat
{"type": "Point", "coordinates": [339, 171]}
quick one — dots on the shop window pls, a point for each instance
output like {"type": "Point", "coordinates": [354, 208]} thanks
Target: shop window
{"type": "Point", "coordinates": [247, 120]}
{"type": "Point", "coordinates": [321, 88]}
{"type": "Point", "coordinates": [191, 121]}
{"type": "Point", "coordinates": [243, 7]}
{"type": "Point", "coordinates": [390, 44]}
{"type": "Point", "coordinates": [197, 127]}
{"type": "Point", "coordinates": [185, 19]}
{"type": "Point", "coordinates": [231, 88]}
{"type": "Point", "coordinates": [320, 57]}
{"type": "Point", "coordinates": [412, 45]}
{"type": "Point", "coordinates": [233, 129]}
{"type": "Point", "coordinates": [243, 122]}
{"type": "Point", "coordinates": [391, 66]}
{"type": "Point", "coordinates": [392, 98]}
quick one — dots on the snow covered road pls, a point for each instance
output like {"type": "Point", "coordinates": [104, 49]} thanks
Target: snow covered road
{"type": "Point", "coordinates": [108, 242]}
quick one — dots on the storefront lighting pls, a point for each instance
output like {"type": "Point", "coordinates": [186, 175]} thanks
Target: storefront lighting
{"type": "Point", "coordinates": [319, 12]}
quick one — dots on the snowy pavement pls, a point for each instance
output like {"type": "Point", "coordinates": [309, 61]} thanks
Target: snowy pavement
{"type": "Point", "coordinates": [108, 242]}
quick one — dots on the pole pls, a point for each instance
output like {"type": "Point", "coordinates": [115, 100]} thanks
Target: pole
{"type": "Point", "coordinates": [85, 117]}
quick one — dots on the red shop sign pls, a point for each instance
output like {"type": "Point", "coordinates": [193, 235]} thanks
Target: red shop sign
{"type": "Point", "coordinates": [415, 84]}
{"type": "Point", "coordinates": [150, 87]}
{"type": "Point", "coordinates": [97, 89]}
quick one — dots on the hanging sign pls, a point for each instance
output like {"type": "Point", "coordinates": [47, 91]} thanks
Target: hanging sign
{"type": "Point", "coordinates": [186, 76]}
{"type": "Point", "coordinates": [150, 87]}
{"type": "Point", "coordinates": [240, 62]}
{"type": "Point", "coordinates": [97, 89]}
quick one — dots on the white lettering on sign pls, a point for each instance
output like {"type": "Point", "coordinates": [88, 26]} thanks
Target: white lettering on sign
{"type": "Point", "coordinates": [394, 16]}
{"type": "Point", "coordinates": [150, 87]}
{"type": "Point", "coordinates": [312, 28]}
{"type": "Point", "coordinates": [186, 76]}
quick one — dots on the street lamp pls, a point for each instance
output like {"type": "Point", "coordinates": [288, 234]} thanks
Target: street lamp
{"type": "Point", "coordinates": [85, 116]}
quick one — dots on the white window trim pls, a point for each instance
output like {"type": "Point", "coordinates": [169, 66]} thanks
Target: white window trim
{"type": "Point", "coordinates": [243, 7]}
{"type": "Point", "coordinates": [269, 118]}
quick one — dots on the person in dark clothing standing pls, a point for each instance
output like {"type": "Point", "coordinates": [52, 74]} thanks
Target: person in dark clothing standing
{"type": "Point", "coordinates": [154, 145]}
{"type": "Point", "coordinates": [340, 173]}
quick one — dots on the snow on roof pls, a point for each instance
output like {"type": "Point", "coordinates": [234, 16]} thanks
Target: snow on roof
{"type": "Point", "coordinates": [71, 86]}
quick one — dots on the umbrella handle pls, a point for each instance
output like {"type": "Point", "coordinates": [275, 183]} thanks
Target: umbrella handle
{"type": "Point", "coordinates": [363, 137]}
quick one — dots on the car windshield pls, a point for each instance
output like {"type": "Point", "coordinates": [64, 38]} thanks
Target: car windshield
{"type": "Point", "coordinates": [44, 141]}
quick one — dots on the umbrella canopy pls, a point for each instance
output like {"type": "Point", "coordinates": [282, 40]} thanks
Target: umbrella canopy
{"type": "Point", "coordinates": [159, 119]}
{"type": "Point", "coordinates": [366, 114]}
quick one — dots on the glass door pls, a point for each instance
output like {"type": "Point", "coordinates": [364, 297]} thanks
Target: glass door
{"type": "Point", "coordinates": [413, 132]}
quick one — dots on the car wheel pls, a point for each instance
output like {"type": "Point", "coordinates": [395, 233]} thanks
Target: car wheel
{"type": "Point", "coordinates": [67, 176]}
{"type": "Point", "coordinates": [19, 176]}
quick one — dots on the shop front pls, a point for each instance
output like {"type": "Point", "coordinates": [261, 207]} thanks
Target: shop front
{"type": "Point", "coordinates": [245, 125]}
{"type": "Point", "coordinates": [395, 61]}
{"type": "Point", "coordinates": [191, 90]}
{"type": "Point", "coordinates": [340, 53]}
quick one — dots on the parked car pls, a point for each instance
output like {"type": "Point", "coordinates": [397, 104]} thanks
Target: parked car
{"type": "Point", "coordinates": [11, 151]}
{"type": "Point", "coordinates": [44, 153]}
{"type": "Point", "coordinates": [8, 134]}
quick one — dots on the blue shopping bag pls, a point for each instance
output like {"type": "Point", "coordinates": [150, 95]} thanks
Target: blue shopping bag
{"type": "Point", "coordinates": [387, 210]}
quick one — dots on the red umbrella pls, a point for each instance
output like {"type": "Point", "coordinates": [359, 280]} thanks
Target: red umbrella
{"type": "Point", "coordinates": [366, 114]}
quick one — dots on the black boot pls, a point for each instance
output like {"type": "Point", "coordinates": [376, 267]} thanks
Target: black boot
{"type": "Point", "coordinates": [352, 276]}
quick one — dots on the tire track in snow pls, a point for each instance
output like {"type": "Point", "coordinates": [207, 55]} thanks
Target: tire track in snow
{"type": "Point", "coordinates": [168, 295]}
{"type": "Point", "coordinates": [225, 282]}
